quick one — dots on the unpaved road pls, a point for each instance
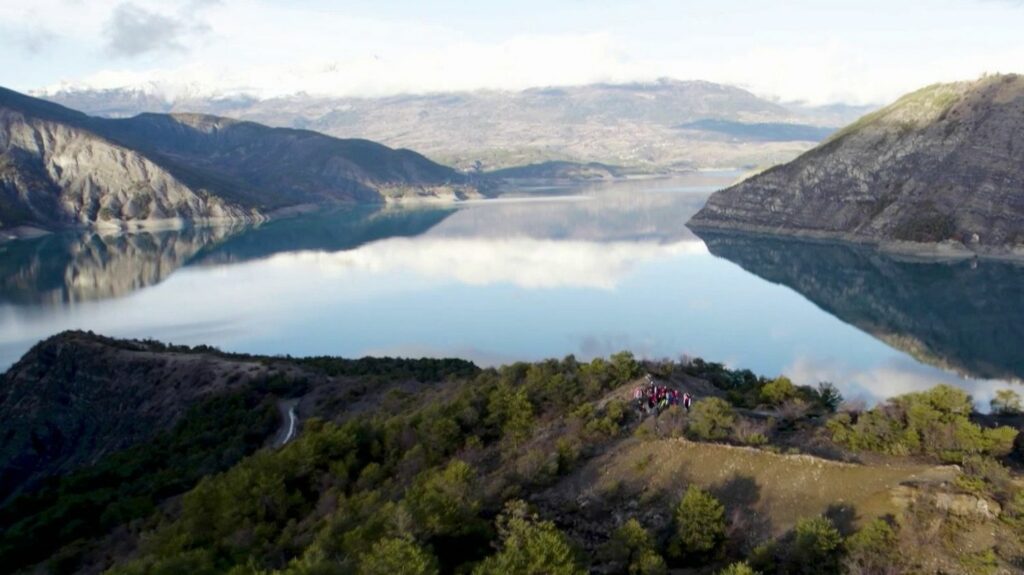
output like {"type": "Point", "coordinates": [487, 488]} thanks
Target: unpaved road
{"type": "Point", "coordinates": [289, 422]}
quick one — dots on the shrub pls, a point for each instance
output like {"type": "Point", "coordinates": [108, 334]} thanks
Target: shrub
{"type": "Point", "coordinates": [529, 546]}
{"type": "Point", "coordinates": [981, 563]}
{"type": "Point", "coordinates": [817, 546]}
{"type": "Point", "coordinates": [985, 476]}
{"type": "Point", "coordinates": [712, 419]}
{"type": "Point", "coordinates": [700, 524]}
{"type": "Point", "coordinates": [750, 432]}
{"type": "Point", "coordinates": [511, 412]}
{"type": "Point", "coordinates": [395, 556]}
{"type": "Point", "coordinates": [934, 422]}
{"type": "Point", "coordinates": [828, 396]}
{"type": "Point", "coordinates": [874, 550]}
{"type": "Point", "coordinates": [778, 390]}
{"type": "Point", "coordinates": [445, 502]}
{"type": "Point", "coordinates": [1006, 402]}
{"type": "Point", "coordinates": [738, 569]}
{"type": "Point", "coordinates": [625, 367]}
{"type": "Point", "coordinates": [631, 548]}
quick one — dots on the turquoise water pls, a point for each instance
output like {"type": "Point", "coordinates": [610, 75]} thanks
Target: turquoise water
{"type": "Point", "coordinates": [586, 271]}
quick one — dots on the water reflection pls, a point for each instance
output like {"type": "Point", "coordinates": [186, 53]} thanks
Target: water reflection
{"type": "Point", "coordinates": [76, 267]}
{"type": "Point", "coordinates": [83, 266]}
{"type": "Point", "coordinates": [965, 316]}
{"type": "Point", "coordinates": [586, 271]}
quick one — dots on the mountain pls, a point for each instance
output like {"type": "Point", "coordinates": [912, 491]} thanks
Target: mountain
{"type": "Point", "coordinates": [961, 316]}
{"type": "Point", "coordinates": [631, 125]}
{"type": "Point", "coordinates": [86, 265]}
{"type": "Point", "coordinates": [761, 132]}
{"type": "Point", "coordinates": [130, 456]}
{"type": "Point", "coordinates": [59, 167]}
{"type": "Point", "coordinates": [940, 170]}
{"type": "Point", "coordinates": [555, 170]}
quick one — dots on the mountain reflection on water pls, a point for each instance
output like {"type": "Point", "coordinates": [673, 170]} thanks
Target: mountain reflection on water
{"type": "Point", "coordinates": [84, 266]}
{"type": "Point", "coordinates": [586, 271]}
{"type": "Point", "coordinates": [965, 316]}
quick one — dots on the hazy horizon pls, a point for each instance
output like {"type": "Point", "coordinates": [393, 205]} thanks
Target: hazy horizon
{"type": "Point", "coordinates": [867, 52]}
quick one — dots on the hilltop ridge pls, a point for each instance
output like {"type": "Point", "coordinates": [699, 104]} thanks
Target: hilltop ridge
{"type": "Point", "coordinates": [60, 168]}
{"type": "Point", "coordinates": [937, 172]}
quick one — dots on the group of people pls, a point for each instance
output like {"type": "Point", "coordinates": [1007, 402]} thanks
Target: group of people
{"type": "Point", "coordinates": [652, 397]}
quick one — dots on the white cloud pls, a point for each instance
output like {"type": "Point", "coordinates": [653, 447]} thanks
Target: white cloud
{"type": "Point", "coordinates": [523, 262]}
{"type": "Point", "coordinates": [889, 378]}
{"type": "Point", "coordinates": [793, 52]}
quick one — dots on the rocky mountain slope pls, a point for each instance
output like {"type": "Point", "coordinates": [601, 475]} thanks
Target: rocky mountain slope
{"type": "Point", "coordinates": [939, 170]}
{"type": "Point", "coordinates": [59, 167]}
{"type": "Point", "coordinates": [642, 126]}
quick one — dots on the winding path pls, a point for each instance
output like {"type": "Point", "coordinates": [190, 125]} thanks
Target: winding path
{"type": "Point", "coordinates": [289, 422]}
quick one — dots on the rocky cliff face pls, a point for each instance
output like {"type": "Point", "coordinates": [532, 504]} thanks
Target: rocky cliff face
{"type": "Point", "coordinates": [59, 167]}
{"type": "Point", "coordinates": [939, 169]}
{"type": "Point", "coordinates": [55, 174]}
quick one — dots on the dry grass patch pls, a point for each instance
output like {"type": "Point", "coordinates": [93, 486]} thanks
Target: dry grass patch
{"type": "Point", "coordinates": [778, 489]}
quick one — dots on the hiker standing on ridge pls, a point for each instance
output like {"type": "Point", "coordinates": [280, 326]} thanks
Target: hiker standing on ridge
{"type": "Point", "coordinates": [687, 400]}
{"type": "Point", "coordinates": [638, 397]}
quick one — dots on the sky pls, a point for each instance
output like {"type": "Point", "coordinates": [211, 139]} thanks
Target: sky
{"type": "Point", "coordinates": [814, 51]}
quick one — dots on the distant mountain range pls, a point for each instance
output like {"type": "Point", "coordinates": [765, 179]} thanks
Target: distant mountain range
{"type": "Point", "coordinates": [637, 125]}
{"type": "Point", "coordinates": [941, 171]}
{"type": "Point", "coordinates": [59, 167]}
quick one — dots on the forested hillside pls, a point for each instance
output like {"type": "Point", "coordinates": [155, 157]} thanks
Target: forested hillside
{"type": "Point", "coordinates": [438, 466]}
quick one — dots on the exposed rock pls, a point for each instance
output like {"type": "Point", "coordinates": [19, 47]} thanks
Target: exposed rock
{"type": "Point", "coordinates": [54, 173]}
{"type": "Point", "coordinates": [939, 172]}
{"type": "Point", "coordinates": [59, 168]}
{"type": "Point", "coordinates": [958, 504]}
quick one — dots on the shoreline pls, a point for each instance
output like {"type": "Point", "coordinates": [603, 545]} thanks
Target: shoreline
{"type": "Point", "coordinates": [947, 251]}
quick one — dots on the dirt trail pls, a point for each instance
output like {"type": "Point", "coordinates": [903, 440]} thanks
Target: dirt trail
{"type": "Point", "coordinates": [289, 422]}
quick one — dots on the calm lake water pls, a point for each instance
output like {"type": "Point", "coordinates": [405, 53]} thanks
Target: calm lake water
{"type": "Point", "coordinates": [543, 273]}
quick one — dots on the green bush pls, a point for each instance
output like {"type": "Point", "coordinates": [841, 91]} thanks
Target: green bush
{"type": "Point", "coordinates": [981, 563]}
{"type": "Point", "coordinates": [529, 546]}
{"type": "Point", "coordinates": [828, 396]}
{"type": "Point", "coordinates": [935, 422]}
{"type": "Point", "coordinates": [873, 549]}
{"type": "Point", "coordinates": [396, 556]}
{"type": "Point", "coordinates": [817, 546]}
{"type": "Point", "coordinates": [712, 419]}
{"type": "Point", "coordinates": [700, 524]}
{"type": "Point", "coordinates": [511, 411]}
{"type": "Point", "coordinates": [445, 502]}
{"type": "Point", "coordinates": [1006, 402]}
{"type": "Point", "coordinates": [631, 549]}
{"type": "Point", "coordinates": [777, 391]}
{"type": "Point", "coordinates": [738, 569]}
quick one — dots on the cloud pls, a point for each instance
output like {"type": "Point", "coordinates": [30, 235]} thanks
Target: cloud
{"type": "Point", "coordinates": [829, 53]}
{"type": "Point", "coordinates": [133, 30]}
{"type": "Point", "coordinates": [523, 262]}
{"type": "Point", "coordinates": [35, 39]}
{"type": "Point", "coordinates": [889, 378]}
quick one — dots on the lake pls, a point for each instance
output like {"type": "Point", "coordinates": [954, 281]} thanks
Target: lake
{"type": "Point", "coordinates": [588, 270]}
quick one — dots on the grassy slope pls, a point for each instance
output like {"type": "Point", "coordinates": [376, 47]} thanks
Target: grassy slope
{"type": "Point", "coordinates": [779, 488]}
